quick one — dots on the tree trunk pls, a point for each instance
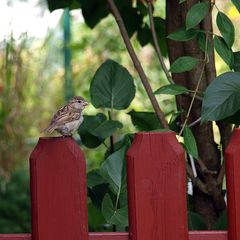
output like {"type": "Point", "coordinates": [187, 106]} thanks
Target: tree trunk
{"type": "Point", "coordinates": [212, 204]}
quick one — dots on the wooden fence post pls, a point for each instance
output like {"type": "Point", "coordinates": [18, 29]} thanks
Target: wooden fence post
{"type": "Point", "coordinates": [58, 190]}
{"type": "Point", "coordinates": [157, 188]}
{"type": "Point", "coordinates": [232, 158]}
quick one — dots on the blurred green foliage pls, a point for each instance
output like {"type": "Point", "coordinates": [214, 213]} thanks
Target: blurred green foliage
{"type": "Point", "coordinates": [15, 203]}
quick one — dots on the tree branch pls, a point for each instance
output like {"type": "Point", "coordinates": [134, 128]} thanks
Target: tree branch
{"type": "Point", "coordinates": [137, 63]}
{"type": "Point", "coordinates": [155, 42]}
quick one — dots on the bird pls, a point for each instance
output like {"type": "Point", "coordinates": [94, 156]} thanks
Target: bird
{"type": "Point", "coordinates": [68, 118]}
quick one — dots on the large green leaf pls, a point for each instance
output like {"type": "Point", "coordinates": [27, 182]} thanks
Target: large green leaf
{"type": "Point", "coordinates": [224, 52]}
{"type": "Point", "coordinates": [112, 86]}
{"type": "Point", "coordinates": [226, 28]}
{"type": "Point", "coordinates": [87, 138]}
{"type": "Point", "coordinates": [183, 64]}
{"type": "Point", "coordinates": [237, 4]}
{"type": "Point", "coordinates": [114, 216]}
{"type": "Point", "coordinates": [72, 4]}
{"type": "Point", "coordinates": [190, 142]}
{"type": "Point", "coordinates": [183, 35]}
{"type": "Point", "coordinates": [222, 97]}
{"type": "Point", "coordinates": [145, 121]}
{"type": "Point", "coordinates": [113, 169]}
{"type": "Point", "coordinates": [196, 221]}
{"type": "Point", "coordinates": [196, 14]}
{"type": "Point", "coordinates": [172, 89]}
{"type": "Point", "coordinates": [99, 126]}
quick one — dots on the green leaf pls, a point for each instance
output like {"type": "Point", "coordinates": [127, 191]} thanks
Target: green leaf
{"type": "Point", "coordinates": [183, 64]}
{"type": "Point", "coordinates": [112, 86]}
{"type": "Point", "coordinates": [236, 64]}
{"type": "Point", "coordinates": [96, 220]}
{"type": "Point", "coordinates": [99, 126]}
{"type": "Point", "coordinates": [174, 122]}
{"type": "Point", "coordinates": [88, 139]}
{"type": "Point", "coordinates": [126, 140]}
{"type": "Point", "coordinates": [236, 4]}
{"type": "Point", "coordinates": [202, 42]}
{"type": "Point", "coordinates": [145, 121]}
{"type": "Point", "coordinates": [196, 221]}
{"type": "Point", "coordinates": [224, 52]}
{"type": "Point", "coordinates": [71, 4]}
{"type": "Point", "coordinates": [113, 169]}
{"type": "Point", "coordinates": [221, 223]}
{"type": "Point", "coordinates": [132, 18]}
{"type": "Point", "coordinates": [226, 28]}
{"type": "Point", "coordinates": [160, 26]}
{"type": "Point", "coordinates": [94, 11]}
{"type": "Point", "coordinates": [172, 89]}
{"type": "Point", "coordinates": [118, 217]}
{"type": "Point", "coordinates": [183, 35]}
{"type": "Point", "coordinates": [190, 142]}
{"type": "Point", "coordinates": [182, 1]}
{"type": "Point", "coordinates": [97, 194]}
{"type": "Point", "coordinates": [94, 178]}
{"type": "Point", "coordinates": [142, 8]}
{"type": "Point", "coordinates": [222, 97]}
{"type": "Point", "coordinates": [144, 34]}
{"type": "Point", "coordinates": [196, 14]}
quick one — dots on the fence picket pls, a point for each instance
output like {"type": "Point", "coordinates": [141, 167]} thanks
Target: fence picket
{"type": "Point", "coordinates": [58, 190]}
{"type": "Point", "coordinates": [157, 188]}
{"type": "Point", "coordinates": [232, 157]}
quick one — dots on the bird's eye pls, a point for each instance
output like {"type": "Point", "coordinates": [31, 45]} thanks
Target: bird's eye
{"type": "Point", "coordinates": [79, 101]}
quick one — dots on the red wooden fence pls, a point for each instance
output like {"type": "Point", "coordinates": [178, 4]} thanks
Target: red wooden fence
{"type": "Point", "coordinates": [156, 190]}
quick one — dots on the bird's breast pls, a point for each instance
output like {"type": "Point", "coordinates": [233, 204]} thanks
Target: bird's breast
{"type": "Point", "coordinates": [74, 125]}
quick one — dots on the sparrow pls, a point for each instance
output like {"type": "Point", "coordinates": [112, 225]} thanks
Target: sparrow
{"type": "Point", "coordinates": [68, 118]}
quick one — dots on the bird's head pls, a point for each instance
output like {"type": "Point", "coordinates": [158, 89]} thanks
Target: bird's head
{"type": "Point", "coordinates": [78, 103]}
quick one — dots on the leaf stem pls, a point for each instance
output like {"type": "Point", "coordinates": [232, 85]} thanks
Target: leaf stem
{"type": "Point", "coordinates": [117, 199]}
{"type": "Point", "coordinates": [197, 87]}
{"type": "Point", "coordinates": [111, 137]}
{"type": "Point", "coordinates": [155, 41]}
{"type": "Point", "coordinates": [137, 63]}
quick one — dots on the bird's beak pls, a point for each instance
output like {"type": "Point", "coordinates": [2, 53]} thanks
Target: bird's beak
{"type": "Point", "coordinates": [85, 104]}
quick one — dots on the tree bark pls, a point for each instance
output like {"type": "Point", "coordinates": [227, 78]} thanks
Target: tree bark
{"type": "Point", "coordinates": [212, 204]}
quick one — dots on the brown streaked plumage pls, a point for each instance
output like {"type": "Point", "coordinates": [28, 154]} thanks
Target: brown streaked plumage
{"type": "Point", "coordinates": [68, 118]}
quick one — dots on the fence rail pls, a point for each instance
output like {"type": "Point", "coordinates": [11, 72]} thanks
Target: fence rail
{"type": "Point", "coordinates": [193, 235]}
{"type": "Point", "coordinates": [156, 192]}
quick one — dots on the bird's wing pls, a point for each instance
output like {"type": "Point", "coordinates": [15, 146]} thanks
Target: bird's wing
{"type": "Point", "coordinates": [63, 116]}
